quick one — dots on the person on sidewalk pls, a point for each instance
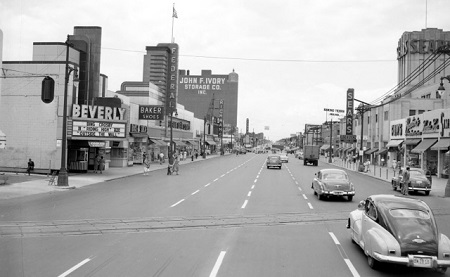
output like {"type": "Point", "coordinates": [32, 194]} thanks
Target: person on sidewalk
{"type": "Point", "coordinates": [146, 165]}
{"type": "Point", "coordinates": [394, 165]}
{"type": "Point", "coordinates": [30, 166]}
{"type": "Point", "coordinates": [161, 158]}
{"type": "Point", "coordinates": [96, 161]}
{"type": "Point", "coordinates": [101, 165]}
{"type": "Point", "coordinates": [405, 180]}
{"type": "Point", "coordinates": [176, 163]}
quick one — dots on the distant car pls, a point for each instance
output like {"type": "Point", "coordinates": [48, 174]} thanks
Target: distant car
{"type": "Point", "coordinates": [284, 158]}
{"type": "Point", "coordinates": [273, 161]}
{"type": "Point", "coordinates": [418, 181]}
{"type": "Point", "coordinates": [399, 230]}
{"type": "Point", "coordinates": [332, 182]}
{"type": "Point", "coordinates": [300, 156]}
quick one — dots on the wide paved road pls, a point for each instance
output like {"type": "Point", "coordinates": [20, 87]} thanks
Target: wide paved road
{"type": "Point", "coordinates": [228, 216]}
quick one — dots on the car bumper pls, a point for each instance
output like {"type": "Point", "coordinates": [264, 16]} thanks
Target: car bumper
{"type": "Point", "coordinates": [338, 193]}
{"type": "Point", "coordinates": [419, 189]}
{"type": "Point", "coordinates": [409, 261]}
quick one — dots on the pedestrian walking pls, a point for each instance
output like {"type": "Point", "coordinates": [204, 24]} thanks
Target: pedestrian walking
{"type": "Point", "coordinates": [405, 181]}
{"type": "Point", "coordinates": [30, 166]}
{"type": "Point", "coordinates": [394, 165]}
{"type": "Point", "coordinates": [161, 158]}
{"type": "Point", "coordinates": [176, 163]}
{"type": "Point", "coordinates": [170, 167]}
{"type": "Point", "coordinates": [96, 163]}
{"type": "Point", "coordinates": [146, 166]}
{"type": "Point", "coordinates": [101, 165]}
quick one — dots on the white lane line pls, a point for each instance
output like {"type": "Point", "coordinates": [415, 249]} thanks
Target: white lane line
{"type": "Point", "coordinates": [218, 264]}
{"type": "Point", "coordinates": [245, 204]}
{"type": "Point", "coordinates": [216, 179]}
{"type": "Point", "coordinates": [207, 184]}
{"type": "Point", "coordinates": [310, 206]}
{"type": "Point", "coordinates": [249, 194]}
{"type": "Point", "coordinates": [352, 268]}
{"type": "Point", "coordinates": [222, 175]}
{"type": "Point", "coordinates": [296, 182]}
{"type": "Point", "coordinates": [304, 196]}
{"type": "Point", "coordinates": [195, 192]}
{"type": "Point", "coordinates": [75, 267]}
{"type": "Point", "coordinates": [177, 203]}
{"type": "Point", "coordinates": [253, 186]}
{"type": "Point", "coordinates": [344, 255]}
{"type": "Point", "coordinates": [336, 241]}
{"type": "Point", "coordinates": [300, 189]}
{"type": "Point", "coordinates": [256, 180]}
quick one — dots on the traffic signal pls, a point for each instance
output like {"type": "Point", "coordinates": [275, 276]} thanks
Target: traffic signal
{"type": "Point", "coordinates": [48, 90]}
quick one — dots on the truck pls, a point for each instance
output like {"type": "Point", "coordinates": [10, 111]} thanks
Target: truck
{"type": "Point", "coordinates": [311, 154]}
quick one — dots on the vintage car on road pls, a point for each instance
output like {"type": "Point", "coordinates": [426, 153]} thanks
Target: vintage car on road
{"type": "Point", "coordinates": [284, 158]}
{"type": "Point", "coordinates": [399, 230]}
{"type": "Point", "coordinates": [273, 161]}
{"type": "Point", "coordinates": [418, 181]}
{"type": "Point", "coordinates": [332, 182]}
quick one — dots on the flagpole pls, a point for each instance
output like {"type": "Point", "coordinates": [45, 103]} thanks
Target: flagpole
{"type": "Point", "coordinates": [173, 17]}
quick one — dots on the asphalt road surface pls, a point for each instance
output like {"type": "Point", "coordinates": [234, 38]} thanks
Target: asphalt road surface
{"type": "Point", "coordinates": [228, 216]}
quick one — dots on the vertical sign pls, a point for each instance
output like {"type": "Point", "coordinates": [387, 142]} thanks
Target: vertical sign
{"type": "Point", "coordinates": [246, 127]}
{"type": "Point", "coordinates": [172, 83]}
{"type": "Point", "coordinates": [221, 118]}
{"type": "Point", "coordinates": [349, 114]}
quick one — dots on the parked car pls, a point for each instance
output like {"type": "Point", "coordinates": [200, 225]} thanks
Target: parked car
{"type": "Point", "coordinates": [418, 181]}
{"type": "Point", "coordinates": [273, 161]}
{"type": "Point", "coordinates": [399, 230]}
{"type": "Point", "coordinates": [332, 182]}
{"type": "Point", "coordinates": [284, 158]}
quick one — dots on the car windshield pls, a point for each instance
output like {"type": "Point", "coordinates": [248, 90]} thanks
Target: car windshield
{"type": "Point", "coordinates": [334, 176]}
{"type": "Point", "coordinates": [415, 173]}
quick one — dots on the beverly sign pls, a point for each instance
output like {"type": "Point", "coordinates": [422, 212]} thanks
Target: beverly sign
{"type": "Point", "coordinates": [98, 112]}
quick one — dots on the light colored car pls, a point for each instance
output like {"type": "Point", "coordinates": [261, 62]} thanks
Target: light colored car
{"type": "Point", "coordinates": [284, 158]}
{"type": "Point", "coordinates": [399, 230]}
{"type": "Point", "coordinates": [273, 161]}
{"type": "Point", "coordinates": [332, 182]}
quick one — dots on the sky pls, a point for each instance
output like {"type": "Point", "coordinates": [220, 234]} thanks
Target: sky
{"type": "Point", "coordinates": [294, 57]}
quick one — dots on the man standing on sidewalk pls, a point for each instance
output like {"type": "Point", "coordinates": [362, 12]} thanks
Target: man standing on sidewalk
{"type": "Point", "coordinates": [405, 180]}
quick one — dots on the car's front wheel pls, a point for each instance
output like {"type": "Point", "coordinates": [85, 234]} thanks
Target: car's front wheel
{"type": "Point", "coordinates": [372, 262]}
{"type": "Point", "coordinates": [350, 197]}
{"type": "Point", "coordinates": [441, 270]}
{"type": "Point", "coordinates": [428, 193]}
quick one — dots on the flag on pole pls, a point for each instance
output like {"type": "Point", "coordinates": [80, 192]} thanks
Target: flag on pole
{"type": "Point", "coordinates": [174, 14]}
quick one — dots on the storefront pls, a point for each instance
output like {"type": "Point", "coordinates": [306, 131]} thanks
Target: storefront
{"type": "Point", "coordinates": [96, 130]}
{"type": "Point", "coordinates": [155, 147]}
{"type": "Point", "coordinates": [442, 147]}
{"type": "Point", "coordinates": [138, 142]}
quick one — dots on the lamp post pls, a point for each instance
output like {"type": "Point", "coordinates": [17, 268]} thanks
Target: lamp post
{"type": "Point", "coordinates": [441, 91]}
{"type": "Point", "coordinates": [63, 177]}
{"type": "Point", "coordinates": [204, 138]}
{"type": "Point", "coordinates": [172, 110]}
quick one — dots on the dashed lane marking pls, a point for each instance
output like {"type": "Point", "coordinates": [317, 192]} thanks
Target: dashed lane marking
{"type": "Point", "coordinates": [195, 192]}
{"type": "Point", "coordinates": [75, 267]}
{"type": "Point", "coordinates": [245, 204]}
{"type": "Point", "coordinates": [310, 206]}
{"type": "Point", "coordinates": [304, 196]}
{"type": "Point", "coordinates": [218, 264]}
{"type": "Point", "coordinates": [177, 203]}
{"type": "Point", "coordinates": [249, 194]}
{"type": "Point", "coordinates": [344, 255]}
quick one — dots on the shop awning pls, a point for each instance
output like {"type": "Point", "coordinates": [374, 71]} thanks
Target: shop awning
{"type": "Point", "coordinates": [371, 151]}
{"type": "Point", "coordinates": [412, 141]}
{"type": "Point", "coordinates": [339, 149]}
{"type": "Point", "coordinates": [347, 149]}
{"type": "Point", "coordinates": [381, 151]}
{"type": "Point", "coordinates": [180, 143]}
{"type": "Point", "coordinates": [424, 145]}
{"type": "Point", "coordinates": [210, 142]}
{"type": "Point", "coordinates": [157, 142]}
{"type": "Point", "coordinates": [365, 151]}
{"type": "Point", "coordinates": [394, 143]}
{"type": "Point", "coordinates": [325, 147]}
{"type": "Point", "coordinates": [441, 144]}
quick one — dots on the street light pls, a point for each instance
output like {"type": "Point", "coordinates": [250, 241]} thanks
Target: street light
{"type": "Point", "coordinates": [172, 109]}
{"type": "Point", "coordinates": [441, 91]}
{"type": "Point", "coordinates": [63, 176]}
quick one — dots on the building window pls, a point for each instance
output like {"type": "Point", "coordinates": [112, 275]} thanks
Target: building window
{"type": "Point", "coordinates": [368, 120]}
{"type": "Point", "coordinates": [386, 115]}
{"type": "Point", "coordinates": [376, 118]}
{"type": "Point", "coordinates": [412, 112]}
{"type": "Point", "coordinates": [421, 111]}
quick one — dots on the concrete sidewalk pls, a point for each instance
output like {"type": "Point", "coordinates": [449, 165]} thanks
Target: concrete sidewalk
{"type": "Point", "coordinates": [383, 173]}
{"type": "Point", "coordinates": [19, 184]}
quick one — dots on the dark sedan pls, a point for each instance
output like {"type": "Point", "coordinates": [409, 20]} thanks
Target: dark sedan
{"type": "Point", "coordinates": [399, 230]}
{"type": "Point", "coordinates": [332, 182]}
{"type": "Point", "coordinates": [418, 181]}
